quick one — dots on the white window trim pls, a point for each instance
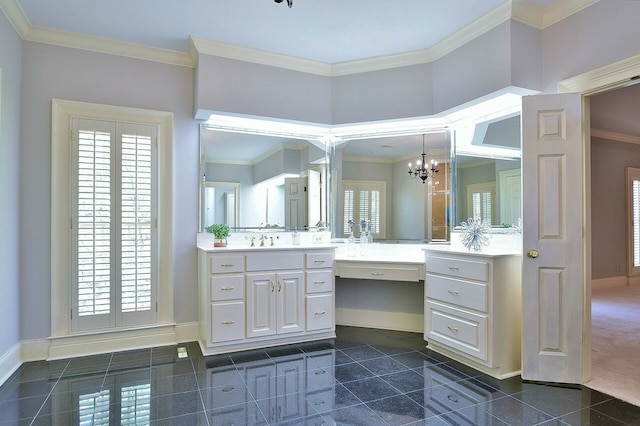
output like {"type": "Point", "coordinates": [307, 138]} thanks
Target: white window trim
{"type": "Point", "coordinates": [631, 175]}
{"type": "Point", "coordinates": [62, 112]}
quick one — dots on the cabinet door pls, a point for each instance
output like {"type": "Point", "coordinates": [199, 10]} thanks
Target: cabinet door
{"type": "Point", "coordinates": [261, 312]}
{"type": "Point", "coordinates": [261, 382]}
{"type": "Point", "coordinates": [290, 296]}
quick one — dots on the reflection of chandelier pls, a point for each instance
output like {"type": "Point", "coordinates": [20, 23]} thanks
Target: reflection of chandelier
{"type": "Point", "coordinates": [289, 2]}
{"type": "Point", "coordinates": [421, 171]}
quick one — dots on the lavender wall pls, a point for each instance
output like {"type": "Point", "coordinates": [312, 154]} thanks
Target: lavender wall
{"type": "Point", "coordinates": [55, 72]}
{"type": "Point", "coordinates": [10, 82]}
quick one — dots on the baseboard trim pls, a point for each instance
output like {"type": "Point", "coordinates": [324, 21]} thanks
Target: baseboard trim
{"type": "Point", "coordinates": [399, 321]}
{"type": "Point", "coordinates": [113, 341]}
{"type": "Point", "coordinates": [187, 332]}
{"type": "Point", "coordinates": [9, 363]}
{"type": "Point", "coordinates": [609, 283]}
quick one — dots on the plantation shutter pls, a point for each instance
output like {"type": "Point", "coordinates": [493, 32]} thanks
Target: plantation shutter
{"type": "Point", "coordinates": [633, 225]}
{"type": "Point", "coordinates": [114, 239]}
{"type": "Point", "coordinates": [364, 200]}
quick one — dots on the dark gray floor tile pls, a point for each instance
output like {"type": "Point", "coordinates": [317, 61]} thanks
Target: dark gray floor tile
{"type": "Point", "coordinates": [175, 405]}
{"type": "Point", "coordinates": [23, 408]}
{"type": "Point", "coordinates": [552, 401]}
{"type": "Point", "coordinates": [248, 357]}
{"type": "Point", "coordinates": [397, 410]}
{"type": "Point", "coordinates": [326, 400]}
{"type": "Point", "coordinates": [317, 346]}
{"type": "Point", "coordinates": [392, 349]}
{"type": "Point", "coordinates": [514, 412]}
{"type": "Point", "coordinates": [384, 365]}
{"type": "Point", "coordinates": [280, 351]}
{"type": "Point", "coordinates": [225, 395]}
{"type": "Point", "coordinates": [620, 410]}
{"type": "Point", "coordinates": [405, 381]}
{"type": "Point", "coordinates": [94, 364]}
{"type": "Point", "coordinates": [415, 359]}
{"type": "Point", "coordinates": [350, 372]}
{"type": "Point", "coordinates": [241, 414]}
{"type": "Point", "coordinates": [362, 353]}
{"type": "Point", "coordinates": [313, 420]}
{"type": "Point", "coordinates": [356, 415]}
{"type": "Point", "coordinates": [175, 384]}
{"type": "Point", "coordinates": [17, 390]}
{"type": "Point", "coordinates": [194, 419]}
{"type": "Point", "coordinates": [130, 359]}
{"type": "Point", "coordinates": [591, 417]}
{"type": "Point", "coordinates": [371, 389]}
{"type": "Point", "coordinates": [40, 370]}
{"type": "Point", "coordinates": [472, 415]}
{"type": "Point", "coordinates": [342, 358]}
{"type": "Point", "coordinates": [286, 407]}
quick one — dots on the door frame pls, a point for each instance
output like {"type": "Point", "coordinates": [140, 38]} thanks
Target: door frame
{"type": "Point", "coordinates": [613, 76]}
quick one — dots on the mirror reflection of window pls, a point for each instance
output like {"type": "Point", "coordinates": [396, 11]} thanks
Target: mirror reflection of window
{"type": "Point", "coordinates": [364, 201]}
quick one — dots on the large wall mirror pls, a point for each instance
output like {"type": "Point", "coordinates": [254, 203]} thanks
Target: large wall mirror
{"type": "Point", "coordinates": [373, 184]}
{"type": "Point", "coordinates": [260, 181]}
{"type": "Point", "coordinates": [487, 178]}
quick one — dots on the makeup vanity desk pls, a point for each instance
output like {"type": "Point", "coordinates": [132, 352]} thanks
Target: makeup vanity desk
{"type": "Point", "coordinates": [471, 301]}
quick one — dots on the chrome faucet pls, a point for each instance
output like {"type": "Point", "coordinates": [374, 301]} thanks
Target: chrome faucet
{"type": "Point", "coordinates": [262, 238]}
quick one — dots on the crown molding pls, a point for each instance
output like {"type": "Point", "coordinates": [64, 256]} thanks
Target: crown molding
{"type": "Point", "coordinates": [610, 76]}
{"type": "Point", "coordinates": [615, 136]}
{"type": "Point", "coordinates": [14, 13]}
{"type": "Point", "coordinates": [101, 45]}
{"type": "Point", "coordinates": [519, 10]}
{"type": "Point", "coordinates": [257, 56]}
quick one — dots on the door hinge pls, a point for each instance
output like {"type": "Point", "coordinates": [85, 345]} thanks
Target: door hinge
{"type": "Point", "coordinates": [71, 313]}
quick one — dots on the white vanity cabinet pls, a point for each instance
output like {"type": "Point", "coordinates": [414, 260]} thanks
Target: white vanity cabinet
{"type": "Point", "coordinates": [473, 311]}
{"type": "Point", "coordinates": [265, 297]}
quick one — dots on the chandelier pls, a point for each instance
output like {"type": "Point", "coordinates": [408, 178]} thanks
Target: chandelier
{"type": "Point", "coordinates": [289, 2]}
{"type": "Point", "coordinates": [421, 171]}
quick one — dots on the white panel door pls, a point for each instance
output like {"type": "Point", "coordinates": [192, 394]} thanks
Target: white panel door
{"type": "Point", "coordinates": [314, 204]}
{"type": "Point", "coordinates": [261, 304]}
{"type": "Point", "coordinates": [290, 302]}
{"type": "Point", "coordinates": [295, 200]}
{"type": "Point", "coordinates": [553, 258]}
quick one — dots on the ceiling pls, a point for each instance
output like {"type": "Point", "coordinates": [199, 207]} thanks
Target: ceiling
{"type": "Point", "coordinates": [328, 31]}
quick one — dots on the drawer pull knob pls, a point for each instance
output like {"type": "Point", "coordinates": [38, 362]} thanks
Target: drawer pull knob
{"type": "Point", "coordinates": [319, 282]}
{"type": "Point", "coordinates": [452, 329]}
{"type": "Point", "coordinates": [273, 287]}
{"type": "Point", "coordinates": [228, 322]}
{"type": "Point", "coordinates": [453, 292]}
{"type": "Point", "coordinates": [226, 288]}
{"type": "Point", "coordinates": [318, 403]}
{"type": "Point", "coordinates": [228, 389]}
{"type": "Point", "coordinates": [320, 313]}
{"type": "Point", "coordinates": [279, 286]}
{"type": "Point", "coordinates": [377, 274]}
{"type": "Point", "coordinates": [226, 265]}
{"type": "Point", "coordinates": [454, 268]}
{"type": "Point", "coordinates": [452, 398]}
{"type": "Point", "coordinates": [318, 261]}
{"type": "Point", "coordinates": [320, 373]}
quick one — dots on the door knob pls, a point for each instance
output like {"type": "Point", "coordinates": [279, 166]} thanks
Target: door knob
{"type": "Point", "coordinates": [533, 253]}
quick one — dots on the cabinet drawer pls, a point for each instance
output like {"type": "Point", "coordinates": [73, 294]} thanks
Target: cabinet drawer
{"type": "Point", "coordinates": [319, 260]}
{"type": "Point", "coordinates": [275, 261]}
{"type": "Point", "coordinates": [461, 268]}
{"type": "Point", "coordinates": [227, 321]}
{"type": "Point", "coordinates": [319, 281]}
{"type": "Point", "coordinates": [461, 330]}
{"type": "Point", "coordinates": [225, 264]}
{"type": "Point", "coordinates": [319, 312]}
{"type": "Point", "coordinates": [227, 287]}
{"type": "Point", "coordinates": [387, 272]}
{"type": "Point", "coordinates": [466, 294]}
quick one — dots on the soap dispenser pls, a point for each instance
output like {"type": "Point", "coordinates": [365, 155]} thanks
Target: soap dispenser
{"type": "Point", "coordinates": [351, 241]}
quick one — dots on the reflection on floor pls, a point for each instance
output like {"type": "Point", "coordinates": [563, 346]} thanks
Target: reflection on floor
{"type": "Point", "coordinates": [615, 342]}
{"type": "Point", "coordinates": [364, 377]}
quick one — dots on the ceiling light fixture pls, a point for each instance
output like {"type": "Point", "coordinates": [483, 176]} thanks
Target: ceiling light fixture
{"type": "Point", "coordinates": [421, 171]}
{"type": "Point", "coordinates": [289, 2]}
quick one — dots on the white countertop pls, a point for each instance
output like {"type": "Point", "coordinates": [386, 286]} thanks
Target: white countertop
{"type": "Point", "coordinates": [246, 248]}
{"type": "Point", "coordinates": [413, 253]}
{"type": "Point", "coordinates": [485, 251]}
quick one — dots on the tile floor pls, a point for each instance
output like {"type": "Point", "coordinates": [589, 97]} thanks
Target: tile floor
{"type": "Point", "coordinates": [363, 377]}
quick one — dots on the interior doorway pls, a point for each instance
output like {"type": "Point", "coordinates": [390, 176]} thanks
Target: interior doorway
{"type": "Point", "coordinates": [615, 305]}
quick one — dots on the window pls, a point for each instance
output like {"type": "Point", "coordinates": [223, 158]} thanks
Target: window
{"type": "Point", "coordinates": [113, 239]}
{"type": "Point", "coordinates": [633, 220]}
{"type": "Point", "coordinates": [111, 204]}
{"type": "Point", "coordinates": [481, 201]}
{"type": "Point", "coordinates": [364, 200]}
